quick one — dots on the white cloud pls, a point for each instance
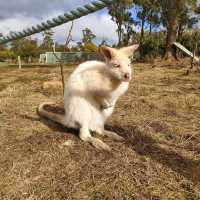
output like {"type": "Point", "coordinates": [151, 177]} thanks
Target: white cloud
{"type": "Point", "coordinates": [17, 23]}
{"type": "Point", "coordinates": [100, 24]}
{"type": "Point", "coordinates": [36, 8]}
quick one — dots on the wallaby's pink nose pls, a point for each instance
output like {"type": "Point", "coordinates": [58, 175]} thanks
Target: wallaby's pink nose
{"type": "Point", "coordinates": [127, 76]}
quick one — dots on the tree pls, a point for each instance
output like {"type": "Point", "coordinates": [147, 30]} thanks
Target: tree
{"type": "Point", "coordinates": [87, 44]}
{"type": "Point", "coordinates": [68, 38]}
{"type": "Point", "coordinates": [26, 48]}
{"type": "Point", "coordinates": [128, 29]}
{"type": "Point", "coordinates": [79, 46]}
{"type": "Point", "coordinates": [2, 47]}
{"type": "Point", "coordinates": [148, 12]}
{"type": "Point", "coordinates": [88, 36]}
{"type": "Point", "coordinates": [186, 21]}
{"type": "Point", "coordinates": [122, 17]}
{"type": "Point", "coordinates": [6, 54]}
{"type": "Point", "coordinates": [47, 40]}
{"type": "Point", "coordinates": [90, 47]}
{"type": "Point", "coordinates": [171, 11]}
{"type": "Point", "coordinates": [153, 17]}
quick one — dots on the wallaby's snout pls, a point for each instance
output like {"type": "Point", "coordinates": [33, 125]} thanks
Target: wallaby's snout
{"type": "Point", "coordinates": [127, 77]}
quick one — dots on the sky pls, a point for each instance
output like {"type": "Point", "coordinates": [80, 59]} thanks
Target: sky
{"type": "Point", "coordinates": [16, 15]}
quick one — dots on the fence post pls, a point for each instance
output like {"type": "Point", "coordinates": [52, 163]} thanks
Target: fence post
{"type": "Point", "coordinates": [19, 62]}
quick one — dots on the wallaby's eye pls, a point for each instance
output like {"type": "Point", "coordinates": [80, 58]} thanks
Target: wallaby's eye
{"type": "Point", "coordinates": [117, 65]}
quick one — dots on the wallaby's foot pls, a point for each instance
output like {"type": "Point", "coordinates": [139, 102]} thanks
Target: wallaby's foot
{"type": "Point", "coordinates": [97, 143]}
{"type": "Point", "coordinates": [109, 134]}
{"type": "Point", "coordinates": [113, 135]}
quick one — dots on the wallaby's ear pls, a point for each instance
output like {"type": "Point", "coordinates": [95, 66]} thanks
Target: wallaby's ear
{"type": "Point", "coordinates": [108, 52]}
{"type": "Point", "coordinates": [129, 50]}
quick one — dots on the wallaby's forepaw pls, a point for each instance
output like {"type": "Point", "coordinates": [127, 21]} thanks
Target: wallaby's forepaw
{"type": "Point", "coordinates": [106, 104]}
{"type": "Point", "coordinates": [113, 135]}
{"type": "Point", "coordinates": [97, 143]}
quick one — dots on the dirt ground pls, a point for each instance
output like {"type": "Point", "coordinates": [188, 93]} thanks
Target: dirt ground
{"type": "Point", "coordinates": [160, 158]}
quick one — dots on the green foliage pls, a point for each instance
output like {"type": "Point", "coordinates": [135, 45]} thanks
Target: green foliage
{"type": "Point", "coordinates": [191, 40]}
{"type": "Point", "coordinates": [25, 48]}
{"type": "Point", "coordinates": [184, 9]}
{"type": "Point", "coordinates": [2, 47]}
{"type": "Point", "coordinates": [90, 47]}
{"type": "Point", "coordinates": [176, 15]}
{"type": "Point", "coordinates": [152, 46]}
{"type": "Point", "coordinates": [47, 44]}
{"type": "Point", "coordinates": [86, 44]}
{"type": "Point", "coordinates": [149, 12]}
{"type": "Point", "coordinates": [6, 54]}
{"type": "Point", "coordinates": [186, 21]}
{"type": "Point", "coordinates": [120, 14]}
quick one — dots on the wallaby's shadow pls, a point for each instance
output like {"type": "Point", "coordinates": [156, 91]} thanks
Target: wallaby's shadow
{"type": "Point", "coordinates": [141, 143]}
{"type": "Point", "coordinates": [146, 146]}
{"type": "Point", "coordinates": [54, 126]}
{"type": "Point", "coordinates": [58, 127]}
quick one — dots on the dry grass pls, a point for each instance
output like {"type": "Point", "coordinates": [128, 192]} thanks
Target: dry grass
{"type": "Point", "coordinates": [160, 159]}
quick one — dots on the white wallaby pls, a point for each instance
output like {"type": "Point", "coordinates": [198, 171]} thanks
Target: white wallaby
{"type": "Point", "coordinates": [91, 93]}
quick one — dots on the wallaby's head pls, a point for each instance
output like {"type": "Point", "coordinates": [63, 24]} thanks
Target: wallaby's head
{"type": "Point", "coordinates": [118, 61]}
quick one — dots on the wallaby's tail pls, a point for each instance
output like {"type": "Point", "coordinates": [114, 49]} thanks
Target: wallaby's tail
{"type": "Point", "coordinates": [52, 116]}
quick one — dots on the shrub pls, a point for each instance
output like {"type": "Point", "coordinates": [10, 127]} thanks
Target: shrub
{"type": "Point", "coordinates": [190, 40]}
{"type": "Point", "coordinates": [152, 46]}
{"type": "Point", "coordinates": [90, 47]}
{"type": "Point", "coordinates": [6, 54]}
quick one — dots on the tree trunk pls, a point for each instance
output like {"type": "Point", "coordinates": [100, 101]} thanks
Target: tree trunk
{"type": "Point", "coordinates": [171, 28]}
{"type": "Point", "coordinates": [180, 32]}
{"type": "Point", "coordinates": [150, 23]}
{"type": "Point", "coordinates": [150, 29]}
{"type": "Point", "coordinates": [142, 28]}
{"type": "Point", "coordinates": [119, 31]}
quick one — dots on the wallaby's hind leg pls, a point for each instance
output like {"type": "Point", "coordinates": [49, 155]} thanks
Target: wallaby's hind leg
{"type": "Point", "coordinates": [97, 143]}
{"type": "Point", "coordinates": [109, 134]}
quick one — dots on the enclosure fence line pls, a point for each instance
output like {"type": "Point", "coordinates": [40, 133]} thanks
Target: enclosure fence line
{"type": "Point", "coordinates": [61, 19]}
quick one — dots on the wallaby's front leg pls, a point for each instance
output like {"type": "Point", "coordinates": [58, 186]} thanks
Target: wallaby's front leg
{"type": "Point", "coordinates": [86, 136]}
{"type": "Point", "coordinates": [106, 104]}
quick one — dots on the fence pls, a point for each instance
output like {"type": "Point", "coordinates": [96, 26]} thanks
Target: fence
{"type": "Point", "coordinates": [67, 57]}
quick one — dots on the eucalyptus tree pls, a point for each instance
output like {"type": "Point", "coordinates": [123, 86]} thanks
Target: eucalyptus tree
{"type": "Point", "coordinates": [48, 42]}
{"type": "Point", "coordinates": [120, 14]}
{"type": "Point", "coordinates": [148, 13]}
{"type": "Point", "coordinates": [172, 16]}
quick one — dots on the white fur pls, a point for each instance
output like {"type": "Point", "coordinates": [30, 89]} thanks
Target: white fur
{"type": "Point", "coordinates": [80, 108]}
{"type": "Point", "coordinates": [91, 93]}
